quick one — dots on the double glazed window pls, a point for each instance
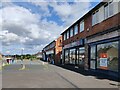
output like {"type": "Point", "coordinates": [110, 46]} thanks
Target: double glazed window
{"type": "Point", "coordinates": [76, 29]}
{"type": "Point", "coordinates": [71, 32]}
{"type": "Point", "coordinates": [67, 34]}
{"type": "Point", "coordinates": [95, 17]}
{"type": "Point", "coordinates": [81, 26]}
{"type": "Point", "coordinates": [64, 36]}
{"type": "Point", "coordinates": [108, 10]}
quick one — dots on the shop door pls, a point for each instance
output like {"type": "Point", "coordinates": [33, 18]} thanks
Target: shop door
{"type": "Point", "coordinates": [77, 56]}
{"type": "Point", "coordinates": [93, 57]}
{"type": "Point", "coordinates": [72, 56]}
{"type": "Point", "coordinates": [81, 57]}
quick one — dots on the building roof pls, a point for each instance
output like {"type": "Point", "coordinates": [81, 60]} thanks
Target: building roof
{"type": "Point", "coordinates": [88, 13]}
{"type": "Point", "coordinates": [49, 44]}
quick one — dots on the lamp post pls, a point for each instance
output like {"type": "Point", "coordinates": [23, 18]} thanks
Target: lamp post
{"type": "Point", "coordinates": [23, 65]}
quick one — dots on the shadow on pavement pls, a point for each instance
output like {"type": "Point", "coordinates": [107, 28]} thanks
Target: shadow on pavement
{"type": "Point", "coordinates": [97, 75]}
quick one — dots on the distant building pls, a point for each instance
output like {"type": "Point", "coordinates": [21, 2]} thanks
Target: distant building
{"type": "Point", "coordinates": [53, 51]}
{"type": "Point", "coordinates": [0, 56]}
{"type": "Point", "coordinates": [58, 50]}
{"type": "Point", "coordinates": [49, 52]}
{"type": "Point", "coordinates": [39, 55]}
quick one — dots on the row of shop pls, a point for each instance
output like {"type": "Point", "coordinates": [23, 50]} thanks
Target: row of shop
{"type": "Point", "coordinates": [97, 53]}
{"type": "Point", "coordinates": [92, 42]}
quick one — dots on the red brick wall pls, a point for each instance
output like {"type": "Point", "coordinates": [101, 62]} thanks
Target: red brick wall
{"type": "Point", "coordinates": [58, 50]}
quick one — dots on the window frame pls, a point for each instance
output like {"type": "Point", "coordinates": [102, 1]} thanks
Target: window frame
{"type": "Point", "coordinates": [109, 10]}
{"type": "Point", "coordinates": [82, 23]}
{"type": "Point", "coordinates": [71, 32]}
{"type": "Point", "coordinates": [95, 17]}
{"type": "Point", "coordinates": [67, 34]}
{"type": "Point", "coordinates": [76, 29]}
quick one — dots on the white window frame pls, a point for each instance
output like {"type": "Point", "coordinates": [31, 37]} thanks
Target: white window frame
{"type": "Point", "coordinates": [82, 26]}
{"type": "Point", "coordinates": [64, 36]}
{"type": "Point", "coordinates": [76, 29]}
{"type": "Point", "coordinates": [95, 17]}
{"type": "Point", "coordinates": [68, 34]}
{"type": "Point", "coordinates": [71, 32]}
{"type": "Point", "coordinates": [108, 5]}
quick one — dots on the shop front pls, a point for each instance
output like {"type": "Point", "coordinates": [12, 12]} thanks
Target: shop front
{"type": "Point", "coordinates": [50, 56]}
{"type": "Point", "coordinates": [104, 55]}
{"type": "Point", "coordinates": [74, 53]}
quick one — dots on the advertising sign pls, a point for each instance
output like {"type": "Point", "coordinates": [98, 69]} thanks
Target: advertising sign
{"type": "Point", "coordinates": [103, 63]}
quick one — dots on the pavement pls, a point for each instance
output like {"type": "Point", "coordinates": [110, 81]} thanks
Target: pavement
{"type": "Point", "coordinates": [39, 74]}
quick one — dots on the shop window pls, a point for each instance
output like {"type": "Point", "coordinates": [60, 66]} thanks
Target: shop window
{"type": "Point", "coordinates": [92, 57]}
{"type": "Point", "coordinates": [72, 56]}
{"type": "Point", "coordinates": [66, 56]}
{"type": "Point", "coordinates": [81, 56]}
{"type": "Point", "coordinates": [107, 56]}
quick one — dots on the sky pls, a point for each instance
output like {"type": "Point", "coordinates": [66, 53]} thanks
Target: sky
{"type": "Point", "coordinates": [30, 25]}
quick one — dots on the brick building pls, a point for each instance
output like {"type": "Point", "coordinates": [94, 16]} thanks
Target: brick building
{"type": "Point", "coordinates": [89, 43]}
{"type": "Point", "coordinates": [49, 52]}
{"type": "Point", "coordinates": [58, 50]}
{"type": "Point", "coordinates": [53, 51]}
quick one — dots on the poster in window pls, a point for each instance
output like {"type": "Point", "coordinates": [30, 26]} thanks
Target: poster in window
{"type": "Point", "coordinates": [103, 63]}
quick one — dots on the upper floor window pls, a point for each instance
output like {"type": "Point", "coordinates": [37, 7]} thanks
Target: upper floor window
{"type": "Point", "coordinates": [81, 26]}
{"type": "Point", "coordinates": [76, 29]}
{"type": "Point", "coordinates": [67, 34]}
{"type": "Point", "coordinates": [64, 36]}
{"type": "Point", "coordinates": [95, 17]}
{"type": "Point", "coordinates": [71, 32]}
{"type": "Point", "coordinates": [108, 10]}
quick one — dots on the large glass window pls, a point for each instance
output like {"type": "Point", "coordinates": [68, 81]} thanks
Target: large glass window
{"type": "Point", "coordinates": [66, 56]}
{"type": "Point", "coordinates": [81, 56]}
{"type": "Point", "coordinates": [95, 17]}
{"type": "Point", "coordinates": [81, 26]}
{"type": "Point", "coordinates": [107, 56]}
{"type": "Point", "coordinates": [72, 56]}
{"type": "Point", "coordinates": [92, 57]}
{"type": "Point", "coordinates": [76, 29]}
{"type": "Point", "coordinates": [71, 32]}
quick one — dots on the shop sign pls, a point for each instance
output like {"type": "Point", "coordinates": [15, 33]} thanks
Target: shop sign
{"type": "Point", "coordinates": [50, 52]}
{"type": "Point", "coordinates": [77, 43]}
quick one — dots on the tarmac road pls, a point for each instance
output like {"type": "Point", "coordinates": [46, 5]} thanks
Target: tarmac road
{"type": "Point", "coordinates": [39, 74]}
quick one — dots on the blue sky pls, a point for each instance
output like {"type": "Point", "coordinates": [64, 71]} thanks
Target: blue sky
{"type": "Point", "coordinates": [32, 25]}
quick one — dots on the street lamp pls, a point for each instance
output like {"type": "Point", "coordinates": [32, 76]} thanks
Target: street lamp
{"type": "Point", "coordinates": [23, 65]}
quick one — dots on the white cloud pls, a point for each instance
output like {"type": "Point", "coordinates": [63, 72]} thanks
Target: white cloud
{"type": "Point", "coordinates": [20, 25]}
